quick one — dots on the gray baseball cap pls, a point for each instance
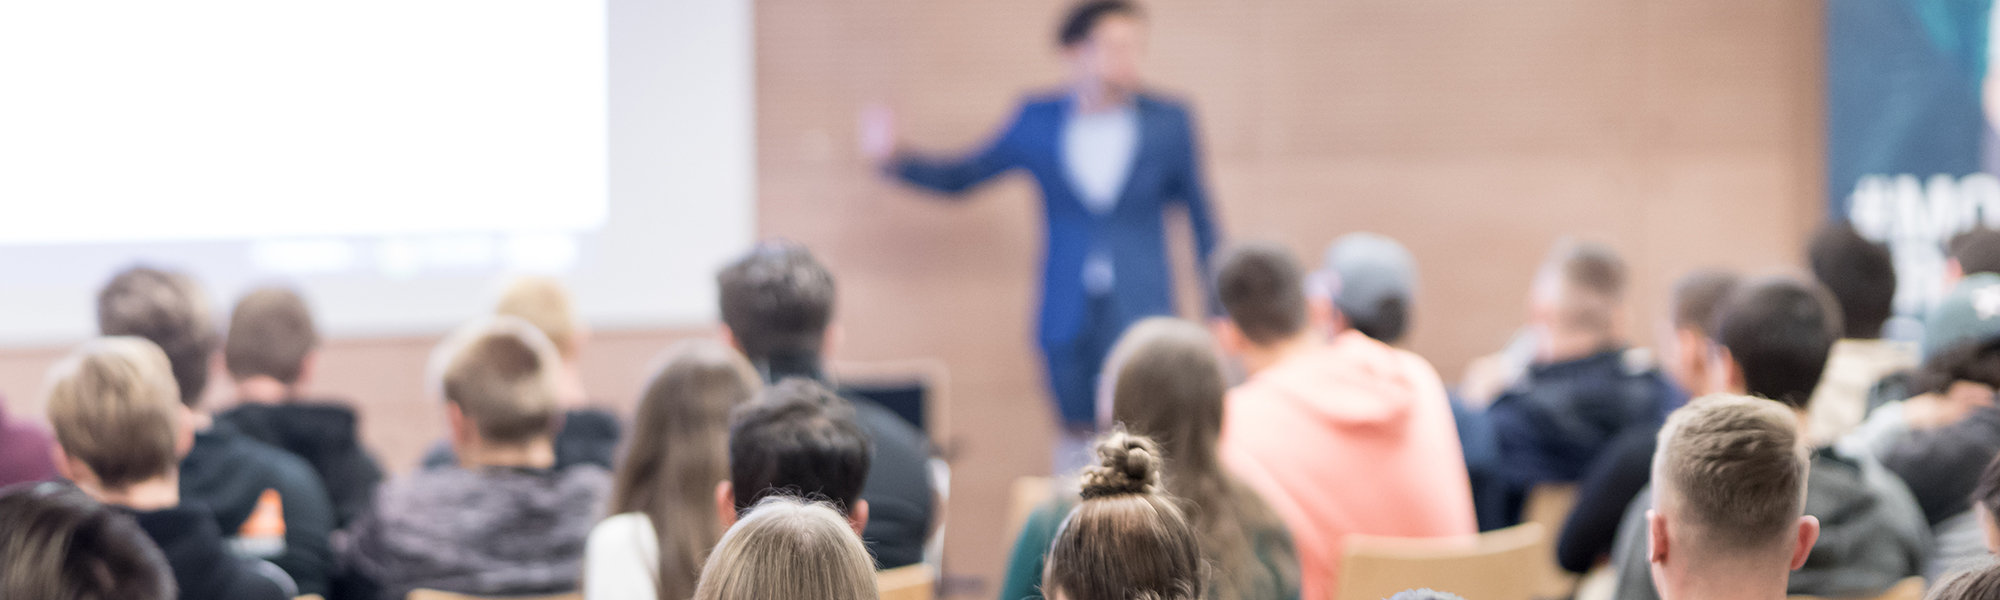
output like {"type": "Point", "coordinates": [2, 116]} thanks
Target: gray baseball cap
{"type": "Point", "coordinates": [1970, 313]}
{"type": "Point", "coordinates": [1361, 270]}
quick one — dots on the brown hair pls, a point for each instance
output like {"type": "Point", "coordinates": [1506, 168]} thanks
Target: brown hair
{"type": "Point", "coordinates": [1166, 383]}
{"type": "Point", "coordinates": [1698, 296]}
{"type": "Point", "coordinates": [169, 310]}
{"type": "Point", "coordinates": [1126, 540]}
{"type": "Point", "coordinates": [501, 374]}
{"type": "Point", "coordinates": [1978, 583]}
{"type": "Point", "coordinates": [114, 406]}
{"type": "Point", "coordinates": [678, 449]}
{"type": "Point", "coordinates": [270, 333]}
{"type": "Point", "coordinates": [59, 543]}
{"type": "Point", "coordinates": [789, 548]}
{"type": "Point", "coordinates": [1263, 289]}
{"type": "Point", "coordinates": [1590, 283]}
{"type": "Point", "coordinates": [544, 303]}
{"type": "Point", "coordinates": [1732, 471]}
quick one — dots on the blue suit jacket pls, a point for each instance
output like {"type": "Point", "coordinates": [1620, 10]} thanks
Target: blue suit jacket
{"type": "Point", "coordinates": [1166, 170]}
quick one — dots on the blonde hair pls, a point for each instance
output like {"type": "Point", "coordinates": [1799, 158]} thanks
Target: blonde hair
{"type": "Point", "coordinates": [678, 449]}
{"type": "Point", "coordinates": [115, 407]}
{"type": "Point", "coordinates": [545, 303]}
{"type": "Point", "coordinates": [1126, 540]}
{"type": "Point", "coordinates": [500, 372]}
{"type": "Point", "coordinates": [1732, 471]}
{"type": "Point", "coordinates": [789, 548]}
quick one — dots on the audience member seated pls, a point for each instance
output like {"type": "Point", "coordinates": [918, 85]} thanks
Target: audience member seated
{"type": "Point", "coordinates": [1981, 582]}
{"type": "Point", "coordinates": [24, 451]}
{"type": "Point", "coordinates": [662, 500]}
{"type": "Point", "coordinates": [1583, 389]}
{"type": "Point", "coordinates": [797, 439]}
{"type": "Point", "coordinates": [1617, 476]}
{"type": "Point", "coordinates": [1953, 430]}
{"type": "Point", "coordinates": [506, 521]}
{"type": "Point", "coordinates": [1164, 380]}
{"type": "Point", "coordinates": [271, 350]}
{"type": "Point", "coordinates": [788, 548]}
{"type": "Point", "coordinates": [589, 435]}
{"type": "Point", "coordinates": [1126, 539]}
{"type": "Point", "coordinates": [77, 549]}
{"type": "Point", "coordinates": [121, 430]}
{"type": "Point", "coordinates": [1862, 278]}
{"type": "Point", "coordinates": [777, 305]}
{"type": "Point", "coordinates": [268, 503]}
{"type": "Point", "coordinates": [1772, 341]}
{"type": "Point", "coordinates": [1728, 517]}
{"type": "Point", "coordinates": [1342, 436]}
{"type": "Point", "coordinates": [1954, 330]}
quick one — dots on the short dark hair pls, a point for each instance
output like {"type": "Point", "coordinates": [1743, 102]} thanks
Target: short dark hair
{"type": "Point", "coordinates": [1859, 273]}
{"type": "Point", "coordinates": [169, 310]}
{"type": "Point", "coordinates": [1698, 295]}
{"type": "Point", "coordinates": [270, 333]}
{"type": "Point", "coordinates": [1387, 323]}
{"type": "Point", "coordinates": [797, 439]}
{"type": "Point", "coordinates": [1780, 330]}
{"type": "Point", "coordinates": [59, 543]}
{"type": "Point", "coordinates": [1263, 289]}
{"type": "Point", "coordinates": [1974, 362]}
{"type": "Point", "coordinates": [777, 301]}
{"type": "Point", "coordinates": [1977, 251]}
{"type": "Point", "coordinates": [1085, 16]}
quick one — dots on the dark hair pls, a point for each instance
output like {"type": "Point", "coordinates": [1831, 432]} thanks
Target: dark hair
{"type": "Point", "coordinates": [1978, 583]}
{"type": "Point", "coordinates": [1779, 330]}
{"type": "Point", "coordinates": [777, 301]}
{"type": "Point", "coordinates": [678, 449]}
{"type": "Point", "coordinates": [1977, 251]}
{"type": "Point", "coordinates": [1975, 362]}
{"type": "Point", "coordinates": [1387, 323]}
{"type": "Point", "coordinates": [1859, 273]}
{"type": "Point", "coordinates": [169, 310]}
{"type": "Point", "coordinates": [59, 543]}
{"type": "Point", "coordinates": [797, 439]}
{"type": "Point", "coordinates": [1698, 295]}
{"type": "Point", "coordinates": [270, 333]}
{"type": "Point", "coordinates": [1986, 495]}
{"type": "Point", "coordinates": [1263, 290]}
{"type": "Point", "coordinates": [1084, 17]}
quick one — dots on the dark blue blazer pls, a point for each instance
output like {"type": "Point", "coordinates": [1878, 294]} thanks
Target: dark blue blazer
{"type": "Point", "coordinates": [1166, 170]}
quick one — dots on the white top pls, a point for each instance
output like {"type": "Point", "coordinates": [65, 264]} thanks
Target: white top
{"type": "Point", "coordinates": [621, 559]}
{"type": "Point", "coordinates": [1098, 149]}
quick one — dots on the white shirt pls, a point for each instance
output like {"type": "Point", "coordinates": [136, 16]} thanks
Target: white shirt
{"type": "Point", "coordinates": [1098, 149]}
{"type": "Point", "coordinates": [620, 559]}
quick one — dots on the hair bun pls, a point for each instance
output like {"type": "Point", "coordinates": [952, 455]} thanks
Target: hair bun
{"type": "Point", "coordinates": [1127, 464]}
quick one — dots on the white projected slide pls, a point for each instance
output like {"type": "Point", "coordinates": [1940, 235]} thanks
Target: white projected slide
{"type": "Point", "coordinates": [392, 158]}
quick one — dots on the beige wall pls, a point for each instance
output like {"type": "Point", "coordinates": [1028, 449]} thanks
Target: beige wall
{"type": "Point", "coordinates": [1684, 132]}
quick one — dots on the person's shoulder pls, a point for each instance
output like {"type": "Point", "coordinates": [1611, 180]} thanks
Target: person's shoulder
{"type": "Point", "coordinates": [887, 429]}
{"type": "Point", "coordinates": [1164, 101]}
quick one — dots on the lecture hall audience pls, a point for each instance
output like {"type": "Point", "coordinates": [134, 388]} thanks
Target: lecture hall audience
{"type": "Point", "coordinates": [1862, 278]}
{"type": "Point", "coordinates": [785, 547]}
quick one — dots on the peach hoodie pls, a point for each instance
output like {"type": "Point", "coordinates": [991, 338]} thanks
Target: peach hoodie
{"type": "Point", "coordinates": [1352, 437]}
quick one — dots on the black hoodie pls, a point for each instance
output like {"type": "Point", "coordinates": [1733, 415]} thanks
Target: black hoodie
{"type": "Point", "coordinates": [322, 433]}
{"type": "Point", "coordinates": [202, 564]}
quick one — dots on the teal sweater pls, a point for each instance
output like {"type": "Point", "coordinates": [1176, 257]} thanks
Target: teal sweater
{"type": "Point", "coordinates": [1024, 565]}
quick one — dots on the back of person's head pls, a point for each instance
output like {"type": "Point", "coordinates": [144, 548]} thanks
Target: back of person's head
{"type": "Point", "coordinates": [1084, 17]}
{"type": "Point", "coordinates": [788, 548]}
{"type": "Point", "coordinates": [1698, 296]}
{"type": "Point", "coordinates": [115, 410]}
{"type": "Point", "coordinates": [798, 439]}
{"type": "Point", "coordinates": [678, 448]}
{"type": "Point", "coordinates": [168, 309]}
{"type": "Point", "coordinates": [1730, 473]}
{"type": "Point", "coordinates": [59, 544]}
{"type": "Point", "coordinates": [1860, 275]}
{"type": "Point", "coordinates": [777, 302]}
{"type": "Point", "coordinates": [1977, 583]}
{"type": "Point", "coordinates": [1581, 287]}
{"type": "Point", "coordinates": [500, 374]}
{"type": "Point", "coordinates": [1165, 382]}
{"type": "Point", "coordinates": [544, 302]}
{"type": "Point", "coordinates": [1126, 539]}
{"type": "Point", "coordinates": [1263, 289]}
{"type": "Point", "coordinates": [1372, 280]}
{"type": "Point", "coordinates": [1777, 332]}
{"type": "Point", "coordinates": [1976, 251]}
{"type": "Point", "coordinates": [1986, 500]}
{"type": "Point", "coordinates": [271, 334]}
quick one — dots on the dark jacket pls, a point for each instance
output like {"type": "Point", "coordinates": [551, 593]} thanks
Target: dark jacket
{"type": "Point", "coordinates": [323, 434]}
{"type": "Point", "coordinates": [203, 567]}
{"type": "Point", "coordinates": [589, 436]}
{"type": "Point", "coordinates": [901, 498]}
{"type": "Point", "coordinates": [489, 532]}
{"type": "Point", "coordinates": [1607, 488]}
{"type": "Point", "coordinates": [1562, 415]}
{"type": "Point", "coordinates": [1942, 465]}
{"type": "Point", "coordinates": [1166, 169]}
{"type": "Point", "coordinates": [229, 473]}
